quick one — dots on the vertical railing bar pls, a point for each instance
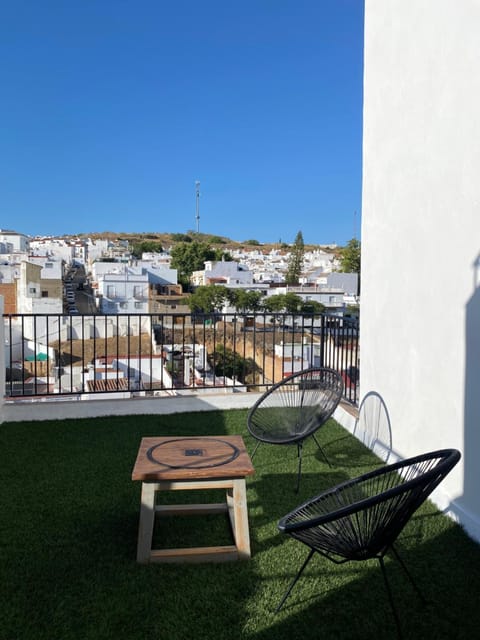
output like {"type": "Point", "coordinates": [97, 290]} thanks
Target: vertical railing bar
{"type": "Point", "coordinates": [83, 352]}
{"type": "Point", "coordinates": [117, 340]}
{"type": "Point", "coordinates": [274, 341]}
{"type": "Point", "coordinates": [139, 361]}
{"type": "Point", "coordinates": [264, 350]}
{"type": "Point", "coordinates": [8, 319]}
{"type": "Point", "coordinates": [205, 345]}
{"type": "Point", "coordinates": [183, 355]}
{"type": "Point", "coordinates": [94, 353]}
{"type": "Point", "coordinates": [214, 333]}
{"type": "Point", "coordinates": [236, 356]}
{"type": "Point", "coordinates": [47, 342]}
{"type": "Point", "coordinates": [152, 337]}
{"type": "Point", "coordinates": [128, 350]}
{"type": "Point", "coordinates": [34, 318]}
{"type": "Point", "coordinates": [71, 354]}
{"type": "Point", "coordinates": [60, 357]}
{"type": "Point", "coordinates": [224, 347]}
{"type": "Point", "coordinates": [194, 345]}
{"type": "Point", "coordinates": [244, 350]}
{"type": "Point", "coordinates": [10, 339]}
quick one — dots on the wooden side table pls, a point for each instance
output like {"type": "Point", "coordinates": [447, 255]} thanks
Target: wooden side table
{"type": "Point", "coordinates": [208, 462]}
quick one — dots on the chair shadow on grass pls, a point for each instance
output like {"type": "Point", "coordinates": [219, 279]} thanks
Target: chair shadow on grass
{"type": "Point", "coordinates": [349, 601]}
{"type": "Point", "coordinates": [271, 496]}
{"type": "Point", "coordinates": [343, 450]}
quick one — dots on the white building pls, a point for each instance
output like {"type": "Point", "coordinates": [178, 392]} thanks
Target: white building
{"type": "Point", "coordinates": [122, 290]}
{"type": "Point", "coordinates": [420, 348]}
{"type": "Point", "coordinates": [17, 241]}
{"type": "Point", "coordinates": [223, 272]}
{"type": "Point", "coordinates": [158, 272]}
{"type": "Point", "coordinates": [52, 267]}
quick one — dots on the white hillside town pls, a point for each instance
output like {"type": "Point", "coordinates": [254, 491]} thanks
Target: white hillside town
{"type": "Point", "coordinates": [57, 290]}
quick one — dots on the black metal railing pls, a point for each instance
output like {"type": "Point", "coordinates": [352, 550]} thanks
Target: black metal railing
{"type": "Point", "coordinates": [145, 354]}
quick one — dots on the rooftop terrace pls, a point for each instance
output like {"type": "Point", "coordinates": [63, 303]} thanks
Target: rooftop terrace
{"type": "Point", "coordinates": [69, 532]}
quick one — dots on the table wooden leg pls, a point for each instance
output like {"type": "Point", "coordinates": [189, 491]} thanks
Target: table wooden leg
{"type": "Point", "coordinates": [147, 518]}
{"type": "Point", "coordinates": [240, 519]}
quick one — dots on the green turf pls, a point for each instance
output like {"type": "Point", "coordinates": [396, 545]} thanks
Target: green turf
{"type": "Point", "coordinates": [68, 530]}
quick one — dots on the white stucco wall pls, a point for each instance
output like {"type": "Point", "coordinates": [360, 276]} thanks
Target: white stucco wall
{"type": "Point", "coordinates": [420, 346]}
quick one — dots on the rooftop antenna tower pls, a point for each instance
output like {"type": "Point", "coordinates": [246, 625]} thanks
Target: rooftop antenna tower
{"type": "Point", "coordinates": [197, 204]}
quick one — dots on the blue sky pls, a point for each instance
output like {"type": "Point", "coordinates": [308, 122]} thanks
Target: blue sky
{"type": "Point", "coordinates": [112, 109]}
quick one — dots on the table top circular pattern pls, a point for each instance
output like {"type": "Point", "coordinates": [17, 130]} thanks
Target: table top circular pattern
{"type": "Point", "coordinates": [193, 453]}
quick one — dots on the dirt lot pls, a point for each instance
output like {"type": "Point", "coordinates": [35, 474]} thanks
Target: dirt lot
{"type": "Point", "coordinates": [76, 351]}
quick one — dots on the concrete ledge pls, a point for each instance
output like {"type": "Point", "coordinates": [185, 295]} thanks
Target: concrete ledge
{"type": "Point", "coordinates": [71, 409]}
{"type": "Point", "coordinates": [346, 414]}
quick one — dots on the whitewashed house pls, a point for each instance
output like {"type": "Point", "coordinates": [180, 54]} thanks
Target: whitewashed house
{"type": "Point", "coordinates": [223, 272]}
{"type": "Point", "coordinates": [13, 241]}
{"type": "Point", "coordinates": [122, 290]}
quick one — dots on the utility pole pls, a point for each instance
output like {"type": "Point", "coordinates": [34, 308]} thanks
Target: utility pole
{"type": "Point", "coordinates": [197, 204]}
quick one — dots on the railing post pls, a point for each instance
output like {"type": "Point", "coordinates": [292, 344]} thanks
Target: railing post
{"type": "Point", "coordinates": [322, 342]}
{"type": "Point", "coordinates": [3, 360]}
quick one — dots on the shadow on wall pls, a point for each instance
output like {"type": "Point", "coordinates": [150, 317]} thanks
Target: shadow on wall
{"type": "Point", "coordinates": [373, 427]}
{"type": "Point", "coordinates": [469, 502]}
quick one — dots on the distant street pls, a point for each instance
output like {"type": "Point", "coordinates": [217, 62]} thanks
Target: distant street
{"type": "Point", "coordinates": [84, 298]}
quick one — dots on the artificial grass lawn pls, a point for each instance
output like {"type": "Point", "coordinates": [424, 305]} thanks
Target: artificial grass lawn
{"type": "Point", "coordinates": [68, 533]}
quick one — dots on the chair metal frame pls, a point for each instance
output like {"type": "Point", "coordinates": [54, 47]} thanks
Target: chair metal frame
{"type": "Point", "coordinates": [361, 518]}
{"type": "Point", "coordinates": [293, 409]}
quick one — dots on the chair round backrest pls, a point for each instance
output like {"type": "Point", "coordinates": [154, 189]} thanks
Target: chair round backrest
{"type": "Point", "coordinates": [296, 407]}
{"type": "Point", "coordinates": [362, 517]}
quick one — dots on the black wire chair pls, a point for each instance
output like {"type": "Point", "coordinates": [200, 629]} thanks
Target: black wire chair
{"type": "Point", "coordinates": [295, 408]}
{"type": "Point", "coordinates": [361, 518]}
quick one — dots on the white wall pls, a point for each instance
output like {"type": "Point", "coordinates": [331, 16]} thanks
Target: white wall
{"type": "Point", "coordinates": [420, 347]}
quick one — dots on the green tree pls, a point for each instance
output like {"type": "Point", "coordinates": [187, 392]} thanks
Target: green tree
{"type": "Point", "coordinates": [188, 257]}
{"type": "Point", "coordinates": [295, 262]}
{"type": "Point", "coordinates": [293, 303]}
{"type": "Point", "coordinates": [275, 304]}
{"type": "Point", "coordinates": [311, 306]}
{"type": "Point", "coordinates": [221, 254]}
{"type": "Point", "coordinates": [350, 257]}
{"type": "Point", "coordinates": [207, 299]}
{"type": "Point", "coordinates": [146, 246]}
{"type": "Point", "coordinates": [244, 300]}
{"type": "Point", "coordinates": [226, 362]}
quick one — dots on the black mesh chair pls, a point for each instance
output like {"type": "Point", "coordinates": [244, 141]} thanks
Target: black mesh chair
{"type": "Point", "coordinates": [361, 518]}
{"type": "Point", "coordinates": [294, 408]}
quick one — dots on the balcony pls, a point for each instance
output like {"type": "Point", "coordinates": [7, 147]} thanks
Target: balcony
{"type": "Point", "coordinates": [68, 545]}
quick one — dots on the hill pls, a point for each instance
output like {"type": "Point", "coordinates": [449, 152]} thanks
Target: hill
{"type": "Point", "coordinates": [167, 239]}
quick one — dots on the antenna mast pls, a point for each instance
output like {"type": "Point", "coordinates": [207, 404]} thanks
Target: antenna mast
{"type": "Point", "coordinates": [197, 204]}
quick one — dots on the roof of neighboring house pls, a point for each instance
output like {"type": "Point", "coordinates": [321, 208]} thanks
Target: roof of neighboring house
{"type": "Point", "coordinates": [115, 384]}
